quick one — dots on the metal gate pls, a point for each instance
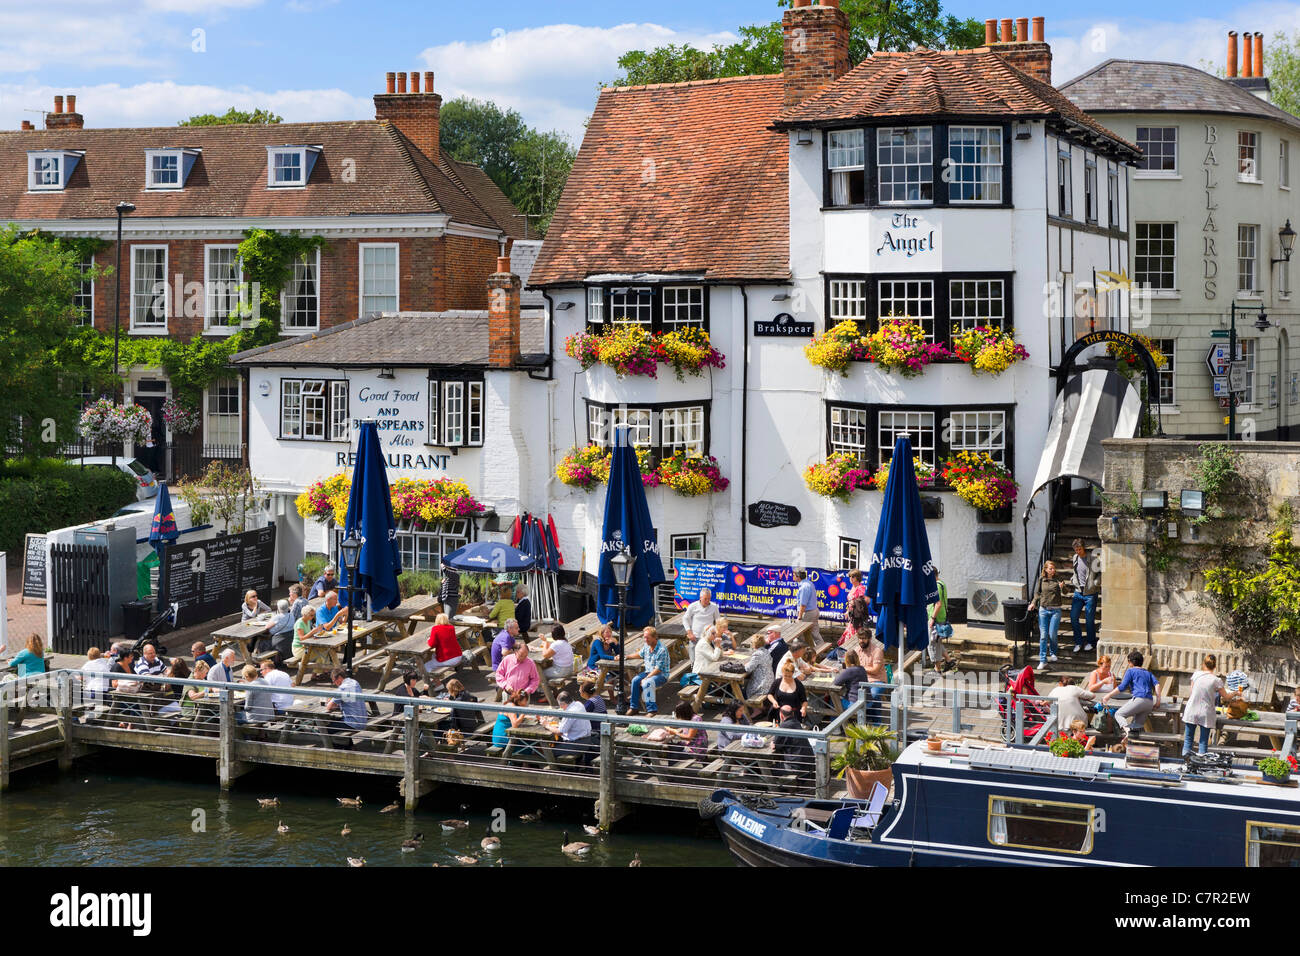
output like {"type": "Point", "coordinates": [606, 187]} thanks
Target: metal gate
{"type": "Point", "coordinates": [79, 579]}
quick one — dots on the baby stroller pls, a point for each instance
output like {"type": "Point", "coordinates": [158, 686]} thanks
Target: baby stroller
{"type": "Point", "coordinates": [1036, 712]}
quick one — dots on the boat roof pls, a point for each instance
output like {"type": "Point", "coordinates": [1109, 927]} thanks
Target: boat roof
{"type": "Point", "coordinates": [983, 754]}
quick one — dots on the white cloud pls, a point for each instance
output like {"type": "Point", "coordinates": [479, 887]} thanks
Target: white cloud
{"type": "Point", "coordinates": [549, 74]}
{"type": "Point", "coordinates": [309, 6]}
{"type": "Point", "coordinates": [199, 7]}
{"type": "Point", "coordinates": [1197, 42]}
{"type": "Point", "coordinates": [164, 104]}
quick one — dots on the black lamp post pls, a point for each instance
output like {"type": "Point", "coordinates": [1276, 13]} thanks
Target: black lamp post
{"type": "Point", "coordinates": [350, 556]}
{"type": "Point", "coordinates": [1263, 325]}
{"type": "Point", "coordinates": [622, 564]}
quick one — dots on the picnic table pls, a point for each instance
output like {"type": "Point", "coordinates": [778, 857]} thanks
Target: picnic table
{"type": "Point", "coordinates": [751, 764]}
{"type": "Point", "coordinates": [641, 747]}
{"type": "Point", "coordinates": [241, 636]}
{"type": "Point", "coordinates": [311, 716]}
{"type": "Point", "coordinates": [414, 650]}
{"type": "Point", "coordinates": [632, 662]}
{"type": "Point", "coordinates": [531, 733]}
{"type": "Point", "coordinates": [322, 654]}
{"type": "Point", "coordinates": [718, 686]}
{"type": "Point", "coordinates": [475, 625]}
{"type": "Point", "coordinates": [824, 697]}
{"type": "Point", "coordinates": [410, 612]}
{"type": "Point", "coordinates": [581, 633]}
{"type": "Point", "coordinates": [1270, 726]}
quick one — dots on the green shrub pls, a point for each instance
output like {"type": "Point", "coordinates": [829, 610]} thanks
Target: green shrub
{"type": "Point", "coordinates": [40, 496]}
{"type": "Point", "coordinates": [313, 565]}
{"type": "Point", "coordinates": [417, 582]}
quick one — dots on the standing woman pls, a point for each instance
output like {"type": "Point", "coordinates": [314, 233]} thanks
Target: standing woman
{"type": "Point", "coordinates": [449, 591]}
{"type": "Point", "coordinates": [1047, 598]}
{"type": "Point", "coordinates": [1207, 687]}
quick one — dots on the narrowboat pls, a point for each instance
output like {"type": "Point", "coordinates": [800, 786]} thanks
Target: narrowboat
{"type": "Point", "coordinates": [983, 803]}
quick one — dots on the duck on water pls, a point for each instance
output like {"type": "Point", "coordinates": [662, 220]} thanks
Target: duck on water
{"type": "Point", "coordinates": [982, 803]}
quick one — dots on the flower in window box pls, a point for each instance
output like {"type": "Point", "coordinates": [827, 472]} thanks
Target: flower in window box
{"type": "Point", "coordinates": [631, 350]}
{"type": "Point", "coordinates": [1127, 360]}
{"type": "Point", "coordinates": [446, 499]}
{"type": "Point", "coordinates": [980, 481]}
{"type": "Point", "coordinates": [837, 477]}
{"type": "Point", "coordinates": [901, 345]}
{"type": "Point", "coordinates": [691, 475]}
{"type": "Point", "coordinates": [841, 344]}
{"type": "Point", "coordinates": [584, 347]}
{"type": "Point", "coordinates": [988, 349]}
{"type": "Point", "coordinates": [689, 350]}
{"type": "Point", "coordinates": [327, 498]}
{"type": "Point", "coordinates": [180, 418]}
{"type": "Point", "coordinates": [924, 475]}
{"type": "Point", "coordinates": [584, 467]}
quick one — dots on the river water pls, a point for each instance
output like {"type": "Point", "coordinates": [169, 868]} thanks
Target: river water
{"type": "Point", "coordinates": [126, 810]}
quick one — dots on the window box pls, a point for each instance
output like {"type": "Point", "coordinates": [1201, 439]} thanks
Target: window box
{"type": "Point", "coordinates": [633, 350]}
{"type": "Point", "coordinates": [838, 476]}
{"type": "Point", "coordinates": [988, 350]}
{"type": "Point", "coordinates": [982, 483]}
{"type": "Point", "coordinates": [938, 432]}
{"type": "Point", "coordinates": [437, 503]}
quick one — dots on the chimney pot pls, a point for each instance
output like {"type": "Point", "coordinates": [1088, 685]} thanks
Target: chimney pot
{"type": "Point", "coordinates": [72, 102]}
{"type": "Point", "coordinates": [503, 265]}
{"type": "Point", "coordinates": [58, 104]}
{"type": "Point", "coordinates": [392, 82]}
{"type": "Point", "coordinates": [1006, 30]}
{"type": "Point", "coordinates": [1038, 30]}
{"type": "Point", "coordinates": [401, 82]}
{"type": "Point", "coordinates": [803, 3]}
{"type": "Point", "coordinates": [1232, 53]}
{"type": "Point", "coordinates": [428, 81]}
{"type": "Point", "coordinates": [990, 32]}
{"type": "Point", "coordinates": [830, 3]}
{"type": "Point", "coordinates": [1022, 29]}
{"type": "Point", "coordinates": [1259, 54]}
{"type": "Point", "coordinates": [415, 82]}
{"type": "Point", "coordinates": [1247, 63]}
{"type": "Point", "coordinates": [27, 124]}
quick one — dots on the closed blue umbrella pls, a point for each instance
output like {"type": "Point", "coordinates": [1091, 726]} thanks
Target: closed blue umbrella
{"type": "Point", "coordinates": [483, 557]}
{"type": "Point", "coordinates": [370, 518]}
{"type": "Point", "coordinates": [163, 527]}
{"type": "Point", "coordinates": [627, 527]}
{"type": "Point", "coordinates": [901, 581]}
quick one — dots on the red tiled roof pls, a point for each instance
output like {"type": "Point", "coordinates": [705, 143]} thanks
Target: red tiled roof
{"type": "Point", "coordinates": [925, 82]}
{"type": "Point", "coordinates": [676, 177]}
{"type": "Point", "coordinates": [392, 177]}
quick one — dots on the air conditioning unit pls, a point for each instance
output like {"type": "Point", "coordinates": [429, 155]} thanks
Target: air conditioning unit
{"type": "Point", "coordinates": [984, 602]}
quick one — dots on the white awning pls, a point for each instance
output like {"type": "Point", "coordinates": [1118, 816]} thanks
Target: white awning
{"type": "Point", "coordinates": [1094, 405]}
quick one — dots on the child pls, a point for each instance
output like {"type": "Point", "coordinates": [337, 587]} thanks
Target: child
{"type": "Point", "coordinates": [1079, 732]}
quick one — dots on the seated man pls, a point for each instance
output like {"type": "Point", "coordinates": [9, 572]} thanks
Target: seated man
{"type": "Point", "coordinates": [796, 751]}
{"type": "Point", "coordinates": [654, 672]}
{"type": "Point", "coordinates": [279, 636]}
{"type": "Point", "coordinates": [151, 662]}
{"type": "Point", "coordinates": [348, 709]}
{"type": "Point", "coordinates": [331, 614]}
{"type": "Point", "coordinates": [258, 706]}
{"type": "Point", "coordinates": [224, 672]}
{"type": "Point", "coordinates": [573, 731]}
{"type": "Point", "coordinates": [504, 642]}
{"type": "Point", "coordinates": [523, 611]}
{"type": "Point", "coordinates": [283, 700]}
{"type": "Point", "coordinates": [517, 674]}
{"type": "Point", "coordinates": [325, 583]}
{"type": "Point", "coordinates": [199, 651]}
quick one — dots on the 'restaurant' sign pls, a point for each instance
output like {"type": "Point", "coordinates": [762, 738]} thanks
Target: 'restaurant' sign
{"type": "Point", "coordinates": [784, 324]}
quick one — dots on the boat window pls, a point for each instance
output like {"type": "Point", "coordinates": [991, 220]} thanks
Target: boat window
{"type": "Point", "coordinates": [1272, 844]}
{"type": "Point", "coordinates": [1040, 825]}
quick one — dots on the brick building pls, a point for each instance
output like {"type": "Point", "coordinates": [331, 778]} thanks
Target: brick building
{"type": "Point", "coordinates": [407, 227]}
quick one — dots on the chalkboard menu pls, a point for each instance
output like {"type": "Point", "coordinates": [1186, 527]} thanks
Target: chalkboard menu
{"type": "Point", "coordinates": [209, 578]}
{"type": "Point", "coordinates": [773, 514]}
{"type": "Point", "coordinates": [34, 567]}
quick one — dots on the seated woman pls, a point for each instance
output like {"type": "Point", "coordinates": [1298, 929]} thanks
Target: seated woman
{"type": "Point", "coordinates": [31, 659]}
{"type": "Point", "coordinates": [506, 720]}
{"type": "Point", "coordinates": [724, 638]}
{"type": "Point", "coordinates": [190, 696]}
{"type": "Point", "coordinates": [559, 653]}
{"type": "Point", "coordinates": [693, 742]}
{"type": "Point", "coordinates": [736, 713]}
{"type": "Point", "coordinates": [279, 636]}
{"type": "Point", "coordinates": [446, 648]}
{"type": "Point", "coordinates": [504, 609]}
{"type": "Point", "coordinates": [179, 669]}
{"type": "Point", "coordinates": [604, 647]}
{"type": "Point", "coordinates": [406, 688]}
{"type": "Point", "coordinates": [462, 718]}
{"type": "Point", "coordinates": [851, 678]}
{"type": "Point", "coordinates": [252, 607]}
{"type": "Point", "coordinates": [788, 690]}
{"type": "Point", "coordinates": [305, 628]}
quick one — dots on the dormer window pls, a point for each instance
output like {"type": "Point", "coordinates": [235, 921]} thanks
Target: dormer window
{"type": "Point", "coordinates": [168, 168]}
{"type": "Point", "coordinates": [289, 165]}
{"type": "Point", "coordinates": [49, 170]}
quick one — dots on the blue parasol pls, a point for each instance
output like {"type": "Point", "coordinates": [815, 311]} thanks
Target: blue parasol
{"type": "Point", "coordinates": [163, 527]}
{"type": "Point", "coordinates": [901, 581]}
{"type": "Point", "coordinates": [483, 557]}
{"type": "Point", "coordinates": [627, 527]}
{"type": "Point", "coordinates": [370, 518]}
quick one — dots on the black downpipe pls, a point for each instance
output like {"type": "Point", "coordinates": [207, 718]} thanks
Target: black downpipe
{"type": "Point", "coordinates": [744, 422]}
{"type": "Point", "coordinates": [550, 341]}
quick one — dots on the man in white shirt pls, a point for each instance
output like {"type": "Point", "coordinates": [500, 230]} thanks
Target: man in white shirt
{"type": "Point", "coordinates": [699, 615]}
{"type": "Point", "coordinates": [573, 732]}
{"type": "Point", "coordinates": [278, 678]}
{"type": "Point", "coordinates": [224, 672]}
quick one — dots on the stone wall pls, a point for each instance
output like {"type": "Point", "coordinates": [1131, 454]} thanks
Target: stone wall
{"type": "Point", "coordinates": [1161, 613]}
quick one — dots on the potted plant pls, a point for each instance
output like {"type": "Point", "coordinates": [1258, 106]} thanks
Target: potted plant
{"type": "Point", "coordinates": [866, 760]}
{"type": "Point", "coordinates": [1276, 769]}
{"type": "Point", "coordinates": [841, 344]}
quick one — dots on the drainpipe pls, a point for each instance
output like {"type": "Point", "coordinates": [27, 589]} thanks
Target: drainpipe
{"type": "Point", "coordinates": [550, 341]}
{"type": "Point", "coordinates": [744, 419]}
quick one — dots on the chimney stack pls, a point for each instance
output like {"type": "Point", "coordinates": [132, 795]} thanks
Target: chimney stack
{"type": "Point", "coordinates": [1028, 56]}
{"type": "Point", "coordinates": [816, 48]}
{"type": "Point", "coordinates": [1259, 54]}
{"type": "Point", "coordinates": [63, 118]}
{"type": "Point", "coordinates": [1232, 54]}
{"type": "Point", "coordinates": [27, 124]}
{"type": "Point", "coordinates": [503, 316]}
{"type": "Point", "coordinates": [416, 114]}
{"type": "Point", "coordinates": [1251, 77]}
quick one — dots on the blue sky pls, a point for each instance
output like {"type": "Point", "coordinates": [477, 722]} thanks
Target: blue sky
{"type": "Point", "coordinates": [153, 62]}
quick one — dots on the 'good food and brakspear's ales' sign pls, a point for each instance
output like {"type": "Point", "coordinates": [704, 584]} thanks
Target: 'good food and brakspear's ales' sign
{"type": "Point", "coordinates": [758, 588]}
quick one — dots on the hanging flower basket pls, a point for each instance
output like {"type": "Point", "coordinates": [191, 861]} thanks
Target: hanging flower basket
{"type": "Point", "coordinates": [104, 421]}
{"type": "Point", "coordinates": [433, 502]}
{"type": "Point", "coordinates": [982, 483]}
{"type": "Point", "coordinates": [837, 347]}
{"type": "Point", "coordinates": [900, 345]}
{"type": "Point", "coordinates": [1127, 360]}
{"type": "Point", "coordinates": [837, 477]}
{"type": "Point", "coordinates": [182, 419]}
{"type": "Point", "coordinates": [987, 349]}
{"type": "Point", "coordinates": [924, 475]}
{"type": "Point", "coordinates": [692, 475]}
{"type": "Point", "coordinates": [631, 350]}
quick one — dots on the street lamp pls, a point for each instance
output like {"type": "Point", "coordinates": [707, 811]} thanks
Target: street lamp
{"type": "Point", "coordinates": [350, 556]}
{"type": "Point", "coordinates": [622, 564]}
{"type": "Point", "coordinates": [1262, 323]}
{"type": "Point", "coordinates": [1286, 239]}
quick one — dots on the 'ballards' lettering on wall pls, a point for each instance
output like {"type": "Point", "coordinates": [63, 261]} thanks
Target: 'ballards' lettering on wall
{"type": "Point", "coordinates": [1209, 254]}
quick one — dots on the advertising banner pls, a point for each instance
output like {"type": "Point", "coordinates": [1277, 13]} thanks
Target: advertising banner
{"type": "Point", "coordinates": [758, 588]}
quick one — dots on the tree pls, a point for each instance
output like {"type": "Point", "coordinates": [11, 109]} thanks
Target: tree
{"type": "Point", "coordinates": [233, 116]}
{"type": "Point", "coordinates": [530, 166]}
{"type": "Point", "coordinates": [873, 25]}
{"type": "Point", "coordinates": [222, 495]}
{"type": "Point", "coordinates": [1282, 58]}
{"type": "Point", "coordinates": [41, 389]}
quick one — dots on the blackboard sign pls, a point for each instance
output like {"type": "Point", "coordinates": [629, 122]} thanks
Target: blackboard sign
{"type": "Point", "coordinates": [209, 578]}
{"type": "Point", "coordinates": [783, 325]}
{"type": "Point", "coordinates": [34, 568]}
{"type": "Point", "coordinates": [773, 514]}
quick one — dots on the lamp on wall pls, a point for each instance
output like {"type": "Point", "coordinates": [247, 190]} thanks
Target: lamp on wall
{"type": "Point", "coordinates": [386, 373]}
{"type": "Point", "coordinates": [1154, 503]}
{"type": "Point", "coordinates": [1286, 240]}
{"type": "Point", "coordinates": [803, 138]}
{"type": "Point", "coordinates": [564, 307]}
{"type": "Point", "coordinates": [1022, 130]}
